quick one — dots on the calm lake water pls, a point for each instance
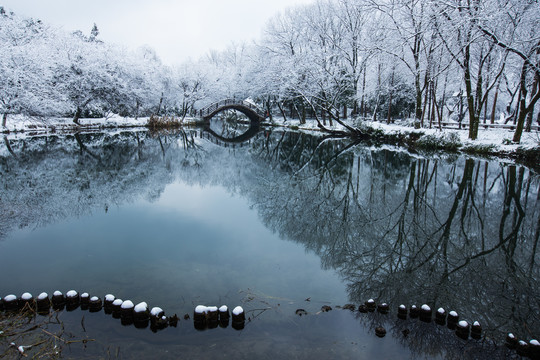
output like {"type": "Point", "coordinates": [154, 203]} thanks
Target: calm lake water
{"type": "Point", "coordinates": [275, 223]}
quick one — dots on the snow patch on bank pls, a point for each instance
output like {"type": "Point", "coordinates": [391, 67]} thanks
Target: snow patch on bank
{"type": "Point", "coordinates": [497, 137]}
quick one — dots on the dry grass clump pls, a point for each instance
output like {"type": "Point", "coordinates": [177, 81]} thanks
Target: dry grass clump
{"type": "Point", "coordinates": [163, 122]}
{"type": "Point", "coordinates": [25, 334]}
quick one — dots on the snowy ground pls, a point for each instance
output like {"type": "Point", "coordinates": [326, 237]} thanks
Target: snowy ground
{"type": "Point", "coordinates": [500, 138]}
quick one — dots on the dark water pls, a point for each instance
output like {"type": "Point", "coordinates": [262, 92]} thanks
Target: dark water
{"type": "Point", "coordinates": [282, 221]}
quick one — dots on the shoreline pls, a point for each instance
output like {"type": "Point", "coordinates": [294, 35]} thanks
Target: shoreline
{"type": "Point", "coordinates": [491, 143]}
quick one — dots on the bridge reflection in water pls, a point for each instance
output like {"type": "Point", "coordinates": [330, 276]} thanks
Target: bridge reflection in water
{"type": "Point", "coordinates": [241, 140]}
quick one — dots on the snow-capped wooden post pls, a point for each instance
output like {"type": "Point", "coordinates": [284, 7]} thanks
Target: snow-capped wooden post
{"type": "Point", "coordinates": [158, 320]}
{"type": "Point", "coordinates": [425, 313]}
{"type": "Point", "coordinates": [476, 330]}
{"type": "Point", "coordinates": [402, 312]}
{"type": "Point", "coordinates": [108, 303]}
{"type": "Point", "coordinates": [452, 320]}
{"type": "Point", "coordinates": [212, 317]}
{"type": "Point", "coordinates": [126, 312]}
{"type": "Point", "coordinates": [463, 329]}
{"type": "Point", "coordinates": [141, 315]}
{"type": "Point", "coordinates": [27, 300]}
{"type": "Point", "coordinates": [43, 303]}
{"type": "Point", "coordinates": [95, 304]}
{"type": "Point", "coordinates": [199, 317]}
{"type": "Point", "coordinates": [58, 300]}
{"type": "Point", "coordinates": [238, 318]}
{"type": "Point", "coordinates": [224, 316]}
{"type": "Point", "coordinates": [116, 304]}
{"type": "Point", "coordinates": [440, 316]}
{"type": "Point", "coordinates": [72, 300]}
{"type": "Point", "coordinates": [85, 301]}
{"type": "Point", "coordinates": [11, 302]}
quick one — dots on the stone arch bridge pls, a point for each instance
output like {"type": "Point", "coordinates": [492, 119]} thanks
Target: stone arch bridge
{"type": "Point", "coordinates": [249, 109]}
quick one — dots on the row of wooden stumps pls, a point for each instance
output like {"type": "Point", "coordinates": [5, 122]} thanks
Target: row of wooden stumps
{"type": "Point", "coordinates": [210, 317]}
{"type": "Point", "coordinates": [462, 328]}
{"type": "Point", "coordinates": [130, 314]}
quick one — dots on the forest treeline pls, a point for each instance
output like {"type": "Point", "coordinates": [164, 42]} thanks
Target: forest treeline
{"type": "Point", "coordinates": [475, 61]}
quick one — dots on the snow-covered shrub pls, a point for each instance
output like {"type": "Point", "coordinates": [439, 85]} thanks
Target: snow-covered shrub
{"type": "Point", "coordinates": [481, 149]}
{"type": "Point", "coordinates": [447, 141]}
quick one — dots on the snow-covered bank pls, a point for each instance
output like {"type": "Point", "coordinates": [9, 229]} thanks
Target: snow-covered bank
{"type": "Point", "coordinates": [499, 138]}
{"type": "Point", "coordinates": [491, 141]}
{"type": "Point", "coordinates": [495, 142]}
{"type": "Point", "coordinates": [21, 123]}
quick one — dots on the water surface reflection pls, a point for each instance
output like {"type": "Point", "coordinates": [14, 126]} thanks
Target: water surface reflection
{"type": "Point", "coordinates": [146, 211]}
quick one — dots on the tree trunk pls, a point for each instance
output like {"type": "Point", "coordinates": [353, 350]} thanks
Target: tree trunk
{"type": "Point", "coordinates": [534, 90]}
{"type": "Point", "coordinates": [494, 108]}
{"type": "Point", "coordinates": [417, 86]}
{"type": "Point", "coordinates": [4, 119]}
{"type": "Point", "coordinates": [268, 110]}
{"type": "Point", "coordinates": [523, 108]}
{"type": "Point", "coordinates": [137, 106]}
{"type": "Point", "coordinates": [297, 112]}
{"type": "Point", "coordinates": [473, 120]}
{"type": "Point", "coordinates": [280, 106]}
{"type": "Point", "coordinates": [418, 106]}
{"type": "Point", "coordinates": [160, 104]}
{"type": "Point", "coordinates": [423, 110]}
{"type": "Point", "coordinates": [429, 104]}
{"type": "Point", "coordinates": [440, 111]}
{"type": "Point", "coordinates": [362, 101]}
{"type": "Point", "coordinates": [485, 110]}
{"type": "Point", "coordinates": [519, 127]}
{"type": "Point", "coordinates": [433, 104]}
{"type": "Point", "coordinates": [77, 115]}
{"type": "Point", "coordinates": [389, 118]}
{"type": "Point", "coordinates": [528, 122]}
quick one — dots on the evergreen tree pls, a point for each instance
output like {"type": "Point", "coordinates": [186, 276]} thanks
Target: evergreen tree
{"type": "Point", "coordinates": [94, 33]}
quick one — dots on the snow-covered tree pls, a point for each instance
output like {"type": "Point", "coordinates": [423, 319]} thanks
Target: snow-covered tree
{"type": "Point", "coordinates": [94, 33]}
{"type": "Point", "coordinates": [24, 70]}
{"type": "Point", "coordinates": [512, 26]}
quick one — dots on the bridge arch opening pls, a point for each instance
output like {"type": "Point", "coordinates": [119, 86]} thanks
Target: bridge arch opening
{"type": "Point", "coordinates": [251, 115]}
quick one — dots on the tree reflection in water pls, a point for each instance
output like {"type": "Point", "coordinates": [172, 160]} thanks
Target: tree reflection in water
{"type": "Point", "coordinates": [450, 231]}
{"type": "Point", "coordinates": [458, 233]}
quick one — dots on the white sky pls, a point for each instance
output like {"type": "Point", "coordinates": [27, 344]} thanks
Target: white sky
{"type": "Point", "coordinates": [176, 29]}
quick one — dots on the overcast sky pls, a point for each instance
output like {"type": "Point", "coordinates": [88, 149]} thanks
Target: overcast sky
{"type": "Point", "coordinates": [176, 29]}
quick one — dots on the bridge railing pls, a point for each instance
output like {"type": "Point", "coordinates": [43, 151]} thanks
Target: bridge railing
{"type": "Point", "coordinates": [213, 107]}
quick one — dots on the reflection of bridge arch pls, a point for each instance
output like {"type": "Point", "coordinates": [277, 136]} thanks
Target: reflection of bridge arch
{"type": "Point", "coordinates": [242, 138]}
{"type": "Point", "coordinates": [249, 109]}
